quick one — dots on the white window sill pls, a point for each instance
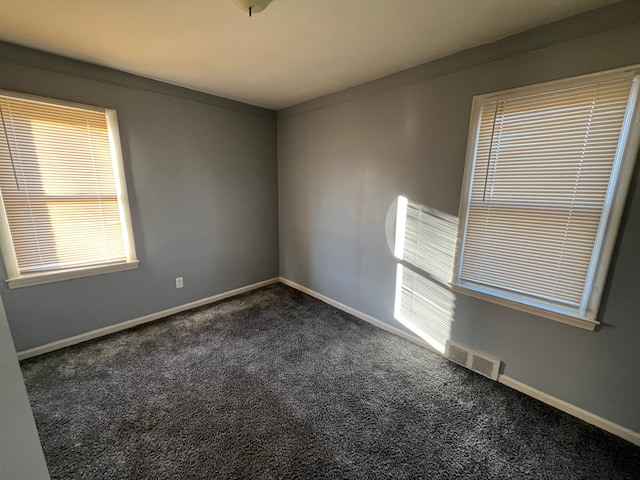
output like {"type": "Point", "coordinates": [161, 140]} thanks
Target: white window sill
{"type": "Point", "coordinates": [558, 316]}
{"type": "Point", "coordinates": [49, 277]}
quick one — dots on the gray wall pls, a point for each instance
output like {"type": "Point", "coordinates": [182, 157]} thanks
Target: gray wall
{"type": "Point", "coordinates": [201, 174]}
{"type": "Point", "coordinates": [21, 455]}
{"type": "Point", "coordinates": [344, 159]}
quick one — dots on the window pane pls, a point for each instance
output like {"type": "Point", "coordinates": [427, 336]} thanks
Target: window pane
{"type": "Point", "coordinates": [542, 174]}
{"type": "Point", "coordinates": [59, 186]}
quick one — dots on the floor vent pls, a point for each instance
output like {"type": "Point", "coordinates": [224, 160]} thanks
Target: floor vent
{"type": "Point", "coordinates": [477, 361]}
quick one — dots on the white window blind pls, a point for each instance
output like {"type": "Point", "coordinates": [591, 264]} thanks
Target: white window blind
{"type": "Point", "coordinates": [60, 187]}
{"type": "Point", "coordinates": [544, 172]}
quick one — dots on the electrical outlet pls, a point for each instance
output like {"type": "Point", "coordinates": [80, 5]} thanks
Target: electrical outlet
{"type": "Point", "coordinates": [179, 282]}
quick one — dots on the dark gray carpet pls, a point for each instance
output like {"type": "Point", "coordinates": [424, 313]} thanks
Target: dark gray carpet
{"type": "Point", "coordinates": [275, 384]}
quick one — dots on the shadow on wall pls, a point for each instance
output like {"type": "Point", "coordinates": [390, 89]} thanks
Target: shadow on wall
{"type": "Point", "coordinates": [425, 242]}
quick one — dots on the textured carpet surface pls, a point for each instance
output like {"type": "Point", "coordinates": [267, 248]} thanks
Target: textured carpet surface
{"type": "Point", "coordinates": [274, 384]}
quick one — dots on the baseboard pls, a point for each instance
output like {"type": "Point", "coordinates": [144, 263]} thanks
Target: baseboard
{"type": "Point", "coordinates": [356, 313]}
{"type": "Point", "coordinates": [83, 337]}
{"type": "Point", "coordinates": [604, 424]}
{"type": "Point", "coordinates": [593, 419]}
{"type": "Point", "coordinates": [607, 425]}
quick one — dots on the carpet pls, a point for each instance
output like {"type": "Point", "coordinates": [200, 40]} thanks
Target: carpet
{"type": "Point", "coordinates": [274, 384]}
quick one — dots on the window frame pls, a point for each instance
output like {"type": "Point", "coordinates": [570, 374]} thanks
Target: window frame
{"type": "Point", "coordinates": [15, 278]}
{"type": "Point", "coordinates": [610, 219]}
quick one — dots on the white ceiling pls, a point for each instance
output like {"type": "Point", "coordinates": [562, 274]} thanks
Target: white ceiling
{"type": "Point", "coordinates": [293, 51]}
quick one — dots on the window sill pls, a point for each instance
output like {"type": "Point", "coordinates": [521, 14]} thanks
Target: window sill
{"type": "Point", "coordinates": [49, 277]}
{"type": "Point", "coordinates": [557, 316]}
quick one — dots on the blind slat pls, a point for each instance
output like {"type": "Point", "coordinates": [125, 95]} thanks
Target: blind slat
{"type": "Point", "coordinates": [542, 172]}
{"type": "Point", "coordinates": [59, 187]}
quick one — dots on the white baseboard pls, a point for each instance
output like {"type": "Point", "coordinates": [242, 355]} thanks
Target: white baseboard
{"type": "Point", "coordinates": [618, 430]}
{"type": "Point", "coordinates": [362, 316]}
{"type": "Point", "coordinates": [593, 419]}
{"type": "Point", "coordinates": [83, 337]}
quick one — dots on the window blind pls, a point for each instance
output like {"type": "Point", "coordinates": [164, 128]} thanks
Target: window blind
{"type": "Point", "coordinates": [540, 182]}
{"type": "Point", "coordinates": [58, 186]}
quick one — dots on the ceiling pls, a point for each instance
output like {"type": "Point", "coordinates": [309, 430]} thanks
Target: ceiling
{"type": "Point", "coordinates": [293, 51]}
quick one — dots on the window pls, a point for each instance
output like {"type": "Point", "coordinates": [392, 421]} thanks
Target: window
{"type": "Point", "coordinates": [547, 172]}
{"type": "Point", "coordinates": [64, 209]}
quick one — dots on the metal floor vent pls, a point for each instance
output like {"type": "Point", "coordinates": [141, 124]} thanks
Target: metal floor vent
{"type": "Point", "coordinates": [477, 361]}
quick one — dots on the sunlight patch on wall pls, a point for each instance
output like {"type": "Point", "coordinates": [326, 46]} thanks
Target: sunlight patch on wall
{"type": "Point", "coordinates": [425, 242]}
{"type": "Point", "coordinates": [426, 238]}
